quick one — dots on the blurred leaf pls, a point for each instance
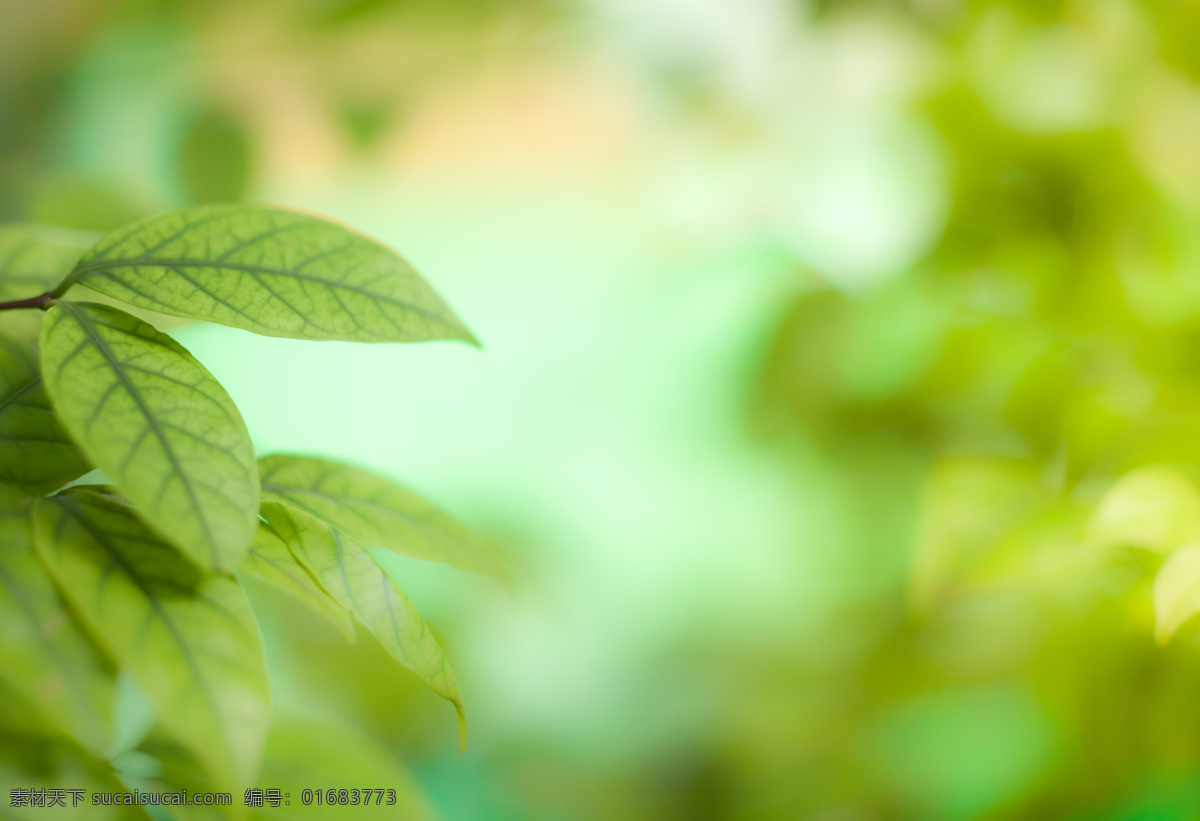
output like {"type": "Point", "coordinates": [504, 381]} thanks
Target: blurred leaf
{"type": "Point", "coordinates": [87, 205]}
{"type": "Point", "coordinates": [801, 373]}
{"type": "Point", "coordinates": [365, 120]}
{"type": "Point", "coordinates": [844, 365]}
{"type": "Point", "coordinates": [21, 717]}
{"type": "Point", "coordinates": [214, 158]}
{"type": "Point", "coordinates": [1154, 260]}
{"type": "Point", "coordinates": [271, 271]}
{"type": "Point", "coordinates": [1176, 592]}
{"type": "Point", "coordinates": [967, 504]}
{"type": "Point", "coordinates": [1175, 23]}
{"type": "Point", "coordinates": [36, 763]}
{"type": "Point", "coordinates": [302, 755]}
{"type": "Point", "coordinates": [270, 559]}
{"type": "Point", "coordinates": [33, 259]}
{"type": "Point", "coordinates": [992, 523]}
{"type": "Point", "coordinates": [340, 12]}
{"type": "Point", "coordinates": [375, 512]}
{"type": "Point", "coordinates": [152, 418]}
{"type": "Point", "coordinates": [43, 653]}
{"type": "Point", "coordinates": [134, 715]}
{"type": "Point", "coordinates": [1040, 399]}
{"type": "Point", "coordinates": [35, 452]}
{"type": "Point", "coordinates": [918, 746]}
{"type": "Point", "coordinates": [188, 640]}
{"type": "Point", "coordinates": [161, 765]}
{"type": "Point", "coordinates": [360, 585]}
{"type": "Point", "coordinates": [1155, 508]}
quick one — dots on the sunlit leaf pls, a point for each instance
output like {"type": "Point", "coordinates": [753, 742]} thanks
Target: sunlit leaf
{"type": "Point", "coordinates": [268, 270]}
{"type": "Point", "coordinates": [162, 428]}
{"type": "Point", "coordinates": [35, 452]}
{"type": "Point", "coordinates": [1156, 508]}
{"type": "Point", "coordinates": [360, 585]}
{"type": "Point", "coordinates": [301, 755]}
{"type": "Point", "coordinates": [1176, 591]}
{"type": "Point", "coordinates": [34, 259]}
{"type": "Point", "coordinates": [270, 559]}
{"type": "Point", "coordinates": [188, 639]}
{"type": "Point", "coordinates": [43, 653]}
{"type": "Point", "coordinates": [375, 512]}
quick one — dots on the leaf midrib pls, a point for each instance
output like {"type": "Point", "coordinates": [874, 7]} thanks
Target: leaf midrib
{"type": "Point", "coordinates": [307, 571]}
{"type": "Point", "coordinates": [155, 605]}
{"type": "Point", "coordinates": [298, 575]}
{"type": "Point", "coordinates": [427, 530]}
{"type": "Point", "coordinates": [341, 501]}
{"type": "Point", "coordinates": [259, 269]}
{"type": "Point", "coordinates": [155, 427]}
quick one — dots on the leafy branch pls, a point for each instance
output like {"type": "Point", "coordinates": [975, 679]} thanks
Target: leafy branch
{"type": "Point", "coordinates": [142, 576]}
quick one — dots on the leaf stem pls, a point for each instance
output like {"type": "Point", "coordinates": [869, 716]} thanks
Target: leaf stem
{"type": "Point", "coordinates": [65, 285]}
{"type": "Point", "coordinates": [42, 301]}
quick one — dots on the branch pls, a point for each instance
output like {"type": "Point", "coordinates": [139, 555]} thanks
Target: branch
{"type": "Point", "coordinates": [42, 301]}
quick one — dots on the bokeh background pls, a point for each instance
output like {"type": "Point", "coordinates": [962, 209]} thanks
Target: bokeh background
{"type": "Point", "coordinates": [816, 336]}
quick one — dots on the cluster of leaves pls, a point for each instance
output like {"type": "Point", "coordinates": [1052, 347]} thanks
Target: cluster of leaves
{"type": "Point", "coordinates": [139, 579]}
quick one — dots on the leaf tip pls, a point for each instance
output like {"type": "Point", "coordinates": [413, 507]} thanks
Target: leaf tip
{"type": "Point", "coordinates": [464, 334]}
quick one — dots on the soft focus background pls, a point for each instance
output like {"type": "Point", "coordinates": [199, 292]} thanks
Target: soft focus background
{"type": "Point", "coordinates": [816, 337]}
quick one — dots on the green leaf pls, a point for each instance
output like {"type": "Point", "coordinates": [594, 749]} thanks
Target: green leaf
{"type": "Point", "coordinates": [360, 585]}
{"type": "Point", "coordinates": [43, 653]}
{"type": "Point", "coordinates": [163, 429]}
{"type": "Point", "coordinates": [36, 453]}
{"type": "Point", "coordinates": [270, 559]}
{"type": "Point", "coordinates": [1176, 591]}
{"type": "Point", "coordinates": [188, 639]}
{"type": "Point", "coordinates": [1155, 508]}
{"type": "Point", "coordinates": [34, 259]}
{"type": "Point", "coordinates": [375, 512]}
{"type": "Point", "coordinates": [271, 271]}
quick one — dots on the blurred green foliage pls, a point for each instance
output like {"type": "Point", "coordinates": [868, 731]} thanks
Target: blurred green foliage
{"type": "Point", "coordinates": [1038, 353]}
